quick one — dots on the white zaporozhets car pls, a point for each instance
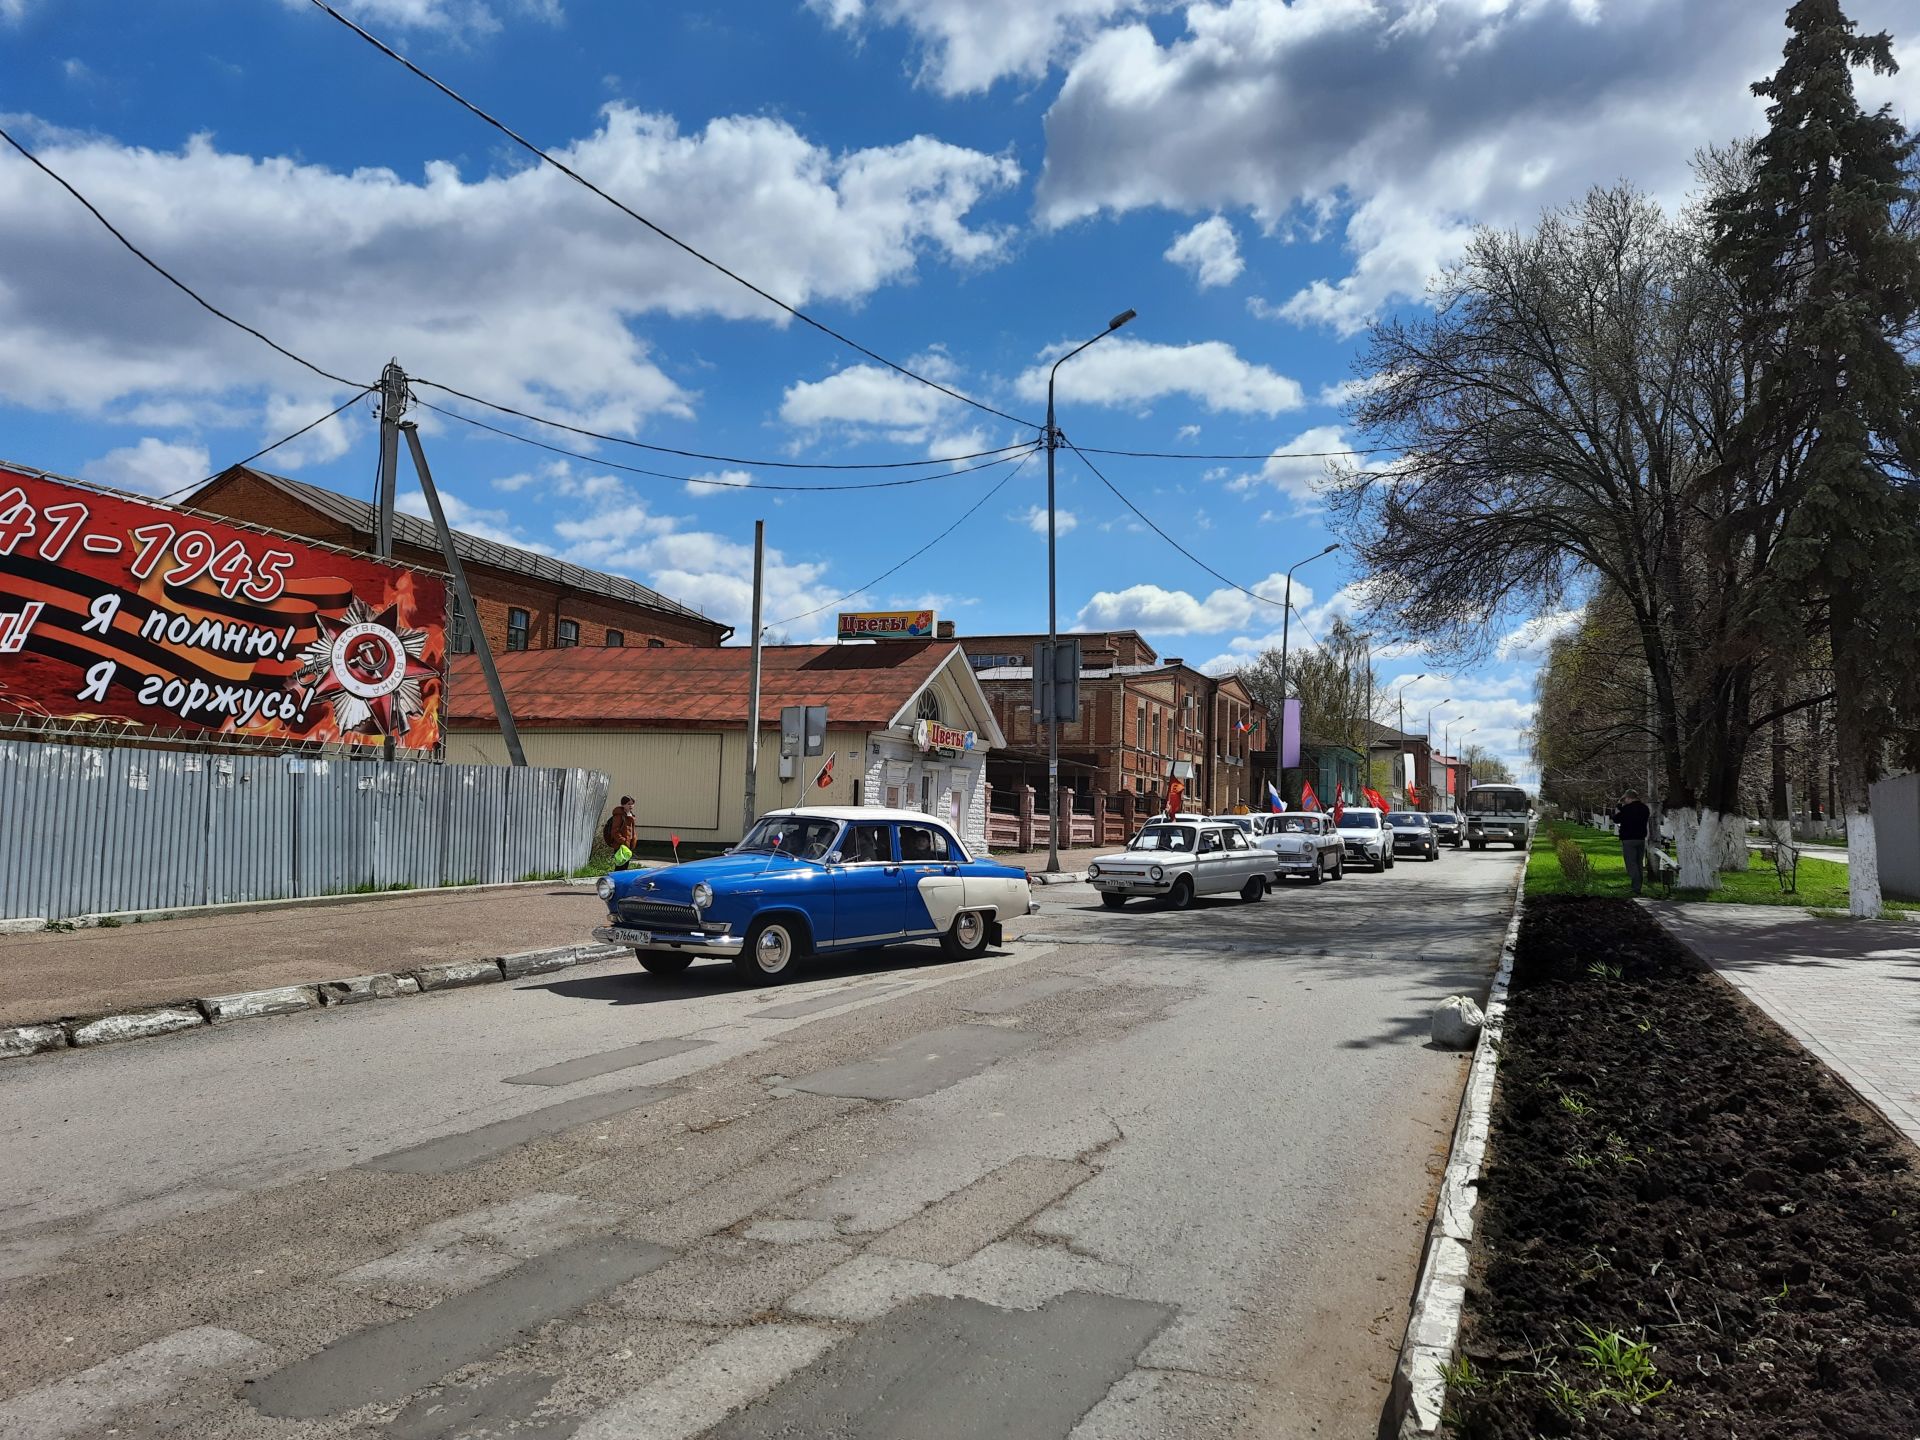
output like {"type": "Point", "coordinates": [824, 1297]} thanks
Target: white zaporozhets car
{"type": "Point", "coordinates": [1178, 860]}
{"type": "Point", "coordinates": [1304, 843]}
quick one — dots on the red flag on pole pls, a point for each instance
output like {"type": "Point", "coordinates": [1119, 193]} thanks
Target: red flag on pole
{"type": "Point", "coordinates": [676, 848]}
{"type": "Point", "coordinates": [1176, 792]}
{"type": "Point", "coordinates": [1308, 800]}
{"type": "Point", "coordinates": [825, 777]}
{"type": "Point", "coordinates": [1373, 798]}
{"type": "Point", "coordinates": [1339, 803]}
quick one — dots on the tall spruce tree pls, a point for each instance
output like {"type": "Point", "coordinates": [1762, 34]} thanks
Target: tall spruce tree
{"type": "Point", "coordinates": [1820, 244]}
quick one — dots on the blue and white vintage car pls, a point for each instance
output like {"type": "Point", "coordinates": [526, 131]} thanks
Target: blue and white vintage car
{"type": "Point", "coordinates": [815, 880]}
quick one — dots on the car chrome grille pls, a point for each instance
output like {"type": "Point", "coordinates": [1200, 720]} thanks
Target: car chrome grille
{"type": "Point", "coordinates": [658, 913]}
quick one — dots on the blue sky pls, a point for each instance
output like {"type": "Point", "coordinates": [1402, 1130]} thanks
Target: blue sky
{"type": "Point", "coordinates": [966, 186]}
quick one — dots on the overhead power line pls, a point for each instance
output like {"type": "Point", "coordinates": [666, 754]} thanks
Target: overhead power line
{"type": "Point", "coordinates": [1263, 455]}
{"type": "Point", "coordinates": [1000, 457]}
{"type": "Point", "coordinates": [664, 234]}
{"type": "Point", "coordinates": [1152, 525]}
{"type": "Point", "coordinates": [167, 275]}
{"type": "Point", "coordinates": [360, 394]}
{"type": "Point", "coordinates": [690, 454]}
{"type": "Point", "coordinates": [965, 515]}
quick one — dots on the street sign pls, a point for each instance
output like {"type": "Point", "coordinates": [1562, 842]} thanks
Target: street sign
{"type": "Point", "coordinates": [1056, 682]}
{"type": "Point", "coordinates": [803, 730]}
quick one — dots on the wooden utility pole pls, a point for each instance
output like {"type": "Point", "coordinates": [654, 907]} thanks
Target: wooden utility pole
{"type": "Point", "coordinates": [751, 808]}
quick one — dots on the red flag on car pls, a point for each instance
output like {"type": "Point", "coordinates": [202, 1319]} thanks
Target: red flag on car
{"type": "Point", "coordinates": [1308, 800]}
{"type": "Point", "coordinates": [1373, 798]}
{"type": "Point", "coordinates": [1339, 803]}
{"type": "Point", "coordinates": [825, 777]}
{"type": "Point", "coordinates": [1176, 792]}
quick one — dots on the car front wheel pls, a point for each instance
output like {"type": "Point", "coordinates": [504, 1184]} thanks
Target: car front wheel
{"type": "Point", "coordinates": [966, 938]}
{"type": "Point", "coordinates": [773, 950]}
{"type": "Point", "coordinates": [658, 962]}
{"type": "Point", "coordinates": [1181, 896]}
{"type": "Point", "coordinates": [1114, 902]}
{"type": "Point", "coordinates": [1254, 889]}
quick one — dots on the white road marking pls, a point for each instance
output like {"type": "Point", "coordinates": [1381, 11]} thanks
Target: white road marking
{"type": "Point", "coordinates": [138, 1379]}
{"type": "Point", "coordinates": [698, 1394]}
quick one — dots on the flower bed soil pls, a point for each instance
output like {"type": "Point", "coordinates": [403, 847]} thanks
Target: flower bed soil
{"type": "Point", "coordinates": [1705, 1187]}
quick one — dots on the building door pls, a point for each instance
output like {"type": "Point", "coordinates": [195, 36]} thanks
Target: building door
{"type": "Point", "coordinates": [869, 893]}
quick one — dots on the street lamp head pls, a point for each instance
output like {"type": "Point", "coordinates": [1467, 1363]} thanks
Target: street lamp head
{"type": "Point", "coordinates": [1331, 548]}
{"type": "Point", "coordinates": [1122, 318]}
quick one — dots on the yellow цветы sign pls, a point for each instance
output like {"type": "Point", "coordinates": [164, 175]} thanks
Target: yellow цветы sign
{"type": "Point", "coordinates": [886, 624]}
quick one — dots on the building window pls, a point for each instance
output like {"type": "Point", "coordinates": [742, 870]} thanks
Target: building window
{"type": "Point", "coordinates": [929, 707]}
{"type": "Point", "coordinates": [459, 634]}
{"type": "Point", "coordinates": [516, 629]}
{"type": "Point", "coordinates": [616, 638]}
{"type": "Point", "coordinates": [1140, 728]}
{"type": "Point", "coordinates": [653, 644]}
{"type": "Point", "coordinates": [568, 634]}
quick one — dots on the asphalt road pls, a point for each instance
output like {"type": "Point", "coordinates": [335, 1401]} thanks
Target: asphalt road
{"type": "Point", "coordinates": [1137, 1174]}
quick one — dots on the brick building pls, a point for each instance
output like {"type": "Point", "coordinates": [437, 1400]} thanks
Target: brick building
{"type": "Point", "coordinates": [1143, 722]}
{"type": "Point", "coordinates": [526, 600]}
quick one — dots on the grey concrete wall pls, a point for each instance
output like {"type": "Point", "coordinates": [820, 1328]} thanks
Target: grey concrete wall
{"type": "Point", "coordinates": [1896, 829]}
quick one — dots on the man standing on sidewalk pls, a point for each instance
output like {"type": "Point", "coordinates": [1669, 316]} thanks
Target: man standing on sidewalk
{"type": "Point", "coordinates": [621, 831]}
{"type": "Point", "coordinates": [1633, 818]}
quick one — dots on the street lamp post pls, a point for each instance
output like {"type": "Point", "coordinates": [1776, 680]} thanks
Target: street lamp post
{"type": "Point", "coordinates": [1053, 601]}
{"type": "Point", "coordinates": [1366, 739]}
{"type": "Point", "coordinates": [1470, 730]}
{"type": "Point", "coordinates": [1429, 786]}
{"type": "Point", "coordinates": [1401, 726]}
{"type": "Point", "coordinates": [1286, 618]}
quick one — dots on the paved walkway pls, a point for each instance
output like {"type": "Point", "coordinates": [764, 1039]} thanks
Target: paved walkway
{"type": "Point", "coordinates": [1071, 861]}
{"type": "Point", "coordinates": [1848, 990]}
{"type": "Point", "coordinates": [49, 974]}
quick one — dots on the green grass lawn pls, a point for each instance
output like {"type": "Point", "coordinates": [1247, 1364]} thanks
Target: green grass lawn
{"type": "Point", "coordinates": [1819, 884]}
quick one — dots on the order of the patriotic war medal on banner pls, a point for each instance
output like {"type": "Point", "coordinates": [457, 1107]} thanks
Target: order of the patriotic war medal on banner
{"type": "Point", "coordinates": [112, 609]}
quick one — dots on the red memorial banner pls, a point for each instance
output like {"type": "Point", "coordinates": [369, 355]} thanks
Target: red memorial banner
{"type": "Point", "coordinates": [115, 609]}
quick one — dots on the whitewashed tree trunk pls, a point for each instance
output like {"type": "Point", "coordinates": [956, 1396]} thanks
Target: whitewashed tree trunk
{"type": "Point", "coordinates": [1697, 845]}
{"type": "Point", "coordinates": [1734, 854]}
{"type": "Point", "coordinates": [1863, 865]}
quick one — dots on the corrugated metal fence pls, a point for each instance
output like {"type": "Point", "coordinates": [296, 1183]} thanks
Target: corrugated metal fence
{"type": "Point", "coordinates": [86, 830]}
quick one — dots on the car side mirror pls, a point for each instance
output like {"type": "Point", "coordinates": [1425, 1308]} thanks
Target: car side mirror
{"type": "Point", "coordinates": [834, 857]}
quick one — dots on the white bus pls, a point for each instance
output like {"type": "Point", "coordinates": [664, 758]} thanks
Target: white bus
{"type": "Point", "coordinates": [1498, 813]}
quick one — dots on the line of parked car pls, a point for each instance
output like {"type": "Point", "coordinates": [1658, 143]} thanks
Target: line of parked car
{"type": "Point", "coordinates": [1178, 859]}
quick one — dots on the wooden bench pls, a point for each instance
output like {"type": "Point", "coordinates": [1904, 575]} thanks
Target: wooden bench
{"type": "Point", "coordinates": [1662, 870]}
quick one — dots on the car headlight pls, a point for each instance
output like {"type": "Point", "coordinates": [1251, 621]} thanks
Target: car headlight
{"type": "Point", "coordinates": [1156, 874]}
{"type": "Point", "coordinates": [603, 887]}
{"type": "Point", "coordinates": [1093, 872]}
{"type": "Point", "coordinates": [702, 895]}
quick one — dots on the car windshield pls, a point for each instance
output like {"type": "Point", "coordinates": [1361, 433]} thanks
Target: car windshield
{"type": "Point", "coordinates": [807, 837]}
{"type": "Point", "coordinates": [1402, 817]}
{"type": "Point", "coordinates": [1299, 825]}
{"type": "Point", "coordinates": [1496, 800]}
{"type": "Point", "coordinates": [1165, 837]}
{"type": "Point", "coordinates": [1359, 820]}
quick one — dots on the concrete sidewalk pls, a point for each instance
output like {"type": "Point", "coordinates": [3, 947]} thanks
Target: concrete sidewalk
{"type": "Point", "coordinates": [50, 974]}
{"type": "Point", "coordinates": [1072, 862]}
{"type": "Point", "coordinates": [1848, 990]}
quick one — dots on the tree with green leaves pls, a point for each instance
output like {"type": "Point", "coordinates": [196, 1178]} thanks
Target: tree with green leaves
{"type": "Point", "coordinates": [1820, 245]}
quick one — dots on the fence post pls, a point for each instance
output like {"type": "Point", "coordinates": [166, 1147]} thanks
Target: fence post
{"type": "Point", "coordinates": [1025, 816]}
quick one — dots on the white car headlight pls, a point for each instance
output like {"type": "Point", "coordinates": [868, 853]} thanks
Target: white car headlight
{"type": "Point", "coordinates": [1093, 872]}
{"type": "Point", "coordinates": [603, 887]}
{"type": "Point", "coordinates": [702, 895]}
{"type": "Point", "coordinates": [1156, 874]}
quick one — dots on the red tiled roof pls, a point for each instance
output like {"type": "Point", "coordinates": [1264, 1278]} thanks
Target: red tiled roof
{"type": "Point", "coordinates": [680, 687]}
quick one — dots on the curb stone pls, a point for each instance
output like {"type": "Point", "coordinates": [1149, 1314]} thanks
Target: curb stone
{"type": "Point", "coordinates": [40, 1037]}
{"type": "Point", "coordinates": [30, 1040]}
{"type": "Point", "coordinates": [1419, 1394]}
{"type": "Point", "coordinates": [137, 1024]}
{"type": "Point", "coordinates": [280, 1000]}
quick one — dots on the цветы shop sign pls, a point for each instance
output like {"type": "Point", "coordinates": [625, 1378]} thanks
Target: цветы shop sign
{"type": "Point", "coordinates": [111, 608]}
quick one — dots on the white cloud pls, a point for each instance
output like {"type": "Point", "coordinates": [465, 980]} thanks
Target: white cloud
{"type": "Point", "coordinates": [968, 44]}
{"type": "Point", "coordinates": [1138, 372]}
{"type": "Point", "coordinates": [708, 571]}
{"type": "Point", "coordinates": [1188, 432]}
{"type": "Point", "coordinates": [1297, 467]}
{"type": "Point", "coordinates": [328, 440]}
{"type": "Point", "coordinates": [1344, 393]}
{"type": "Point", "coordinates": [1158, 610]}
{"type": "Point", "coordinates": [726, 480]}
{"type": "Point", "coordinates": [519, 285]}
{"type": "Point", "coordinates": [1398, 123]}
{"type": "Point", "coordinates": [1210, 251]}
{"type": "Point", "coordinates": [458, 18]}
{"type": "Point", "coordinates": [1034, 517]}
{"type": "Point", "coordinates": [1531, 640]}
{"type": "Point", "coordinates": [866, 395]}
{"type": "Point", "coordinates": [152, 467]}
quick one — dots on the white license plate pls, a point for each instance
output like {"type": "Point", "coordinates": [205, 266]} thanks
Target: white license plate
{"type": "Point", "coordinates": [643, 937]}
